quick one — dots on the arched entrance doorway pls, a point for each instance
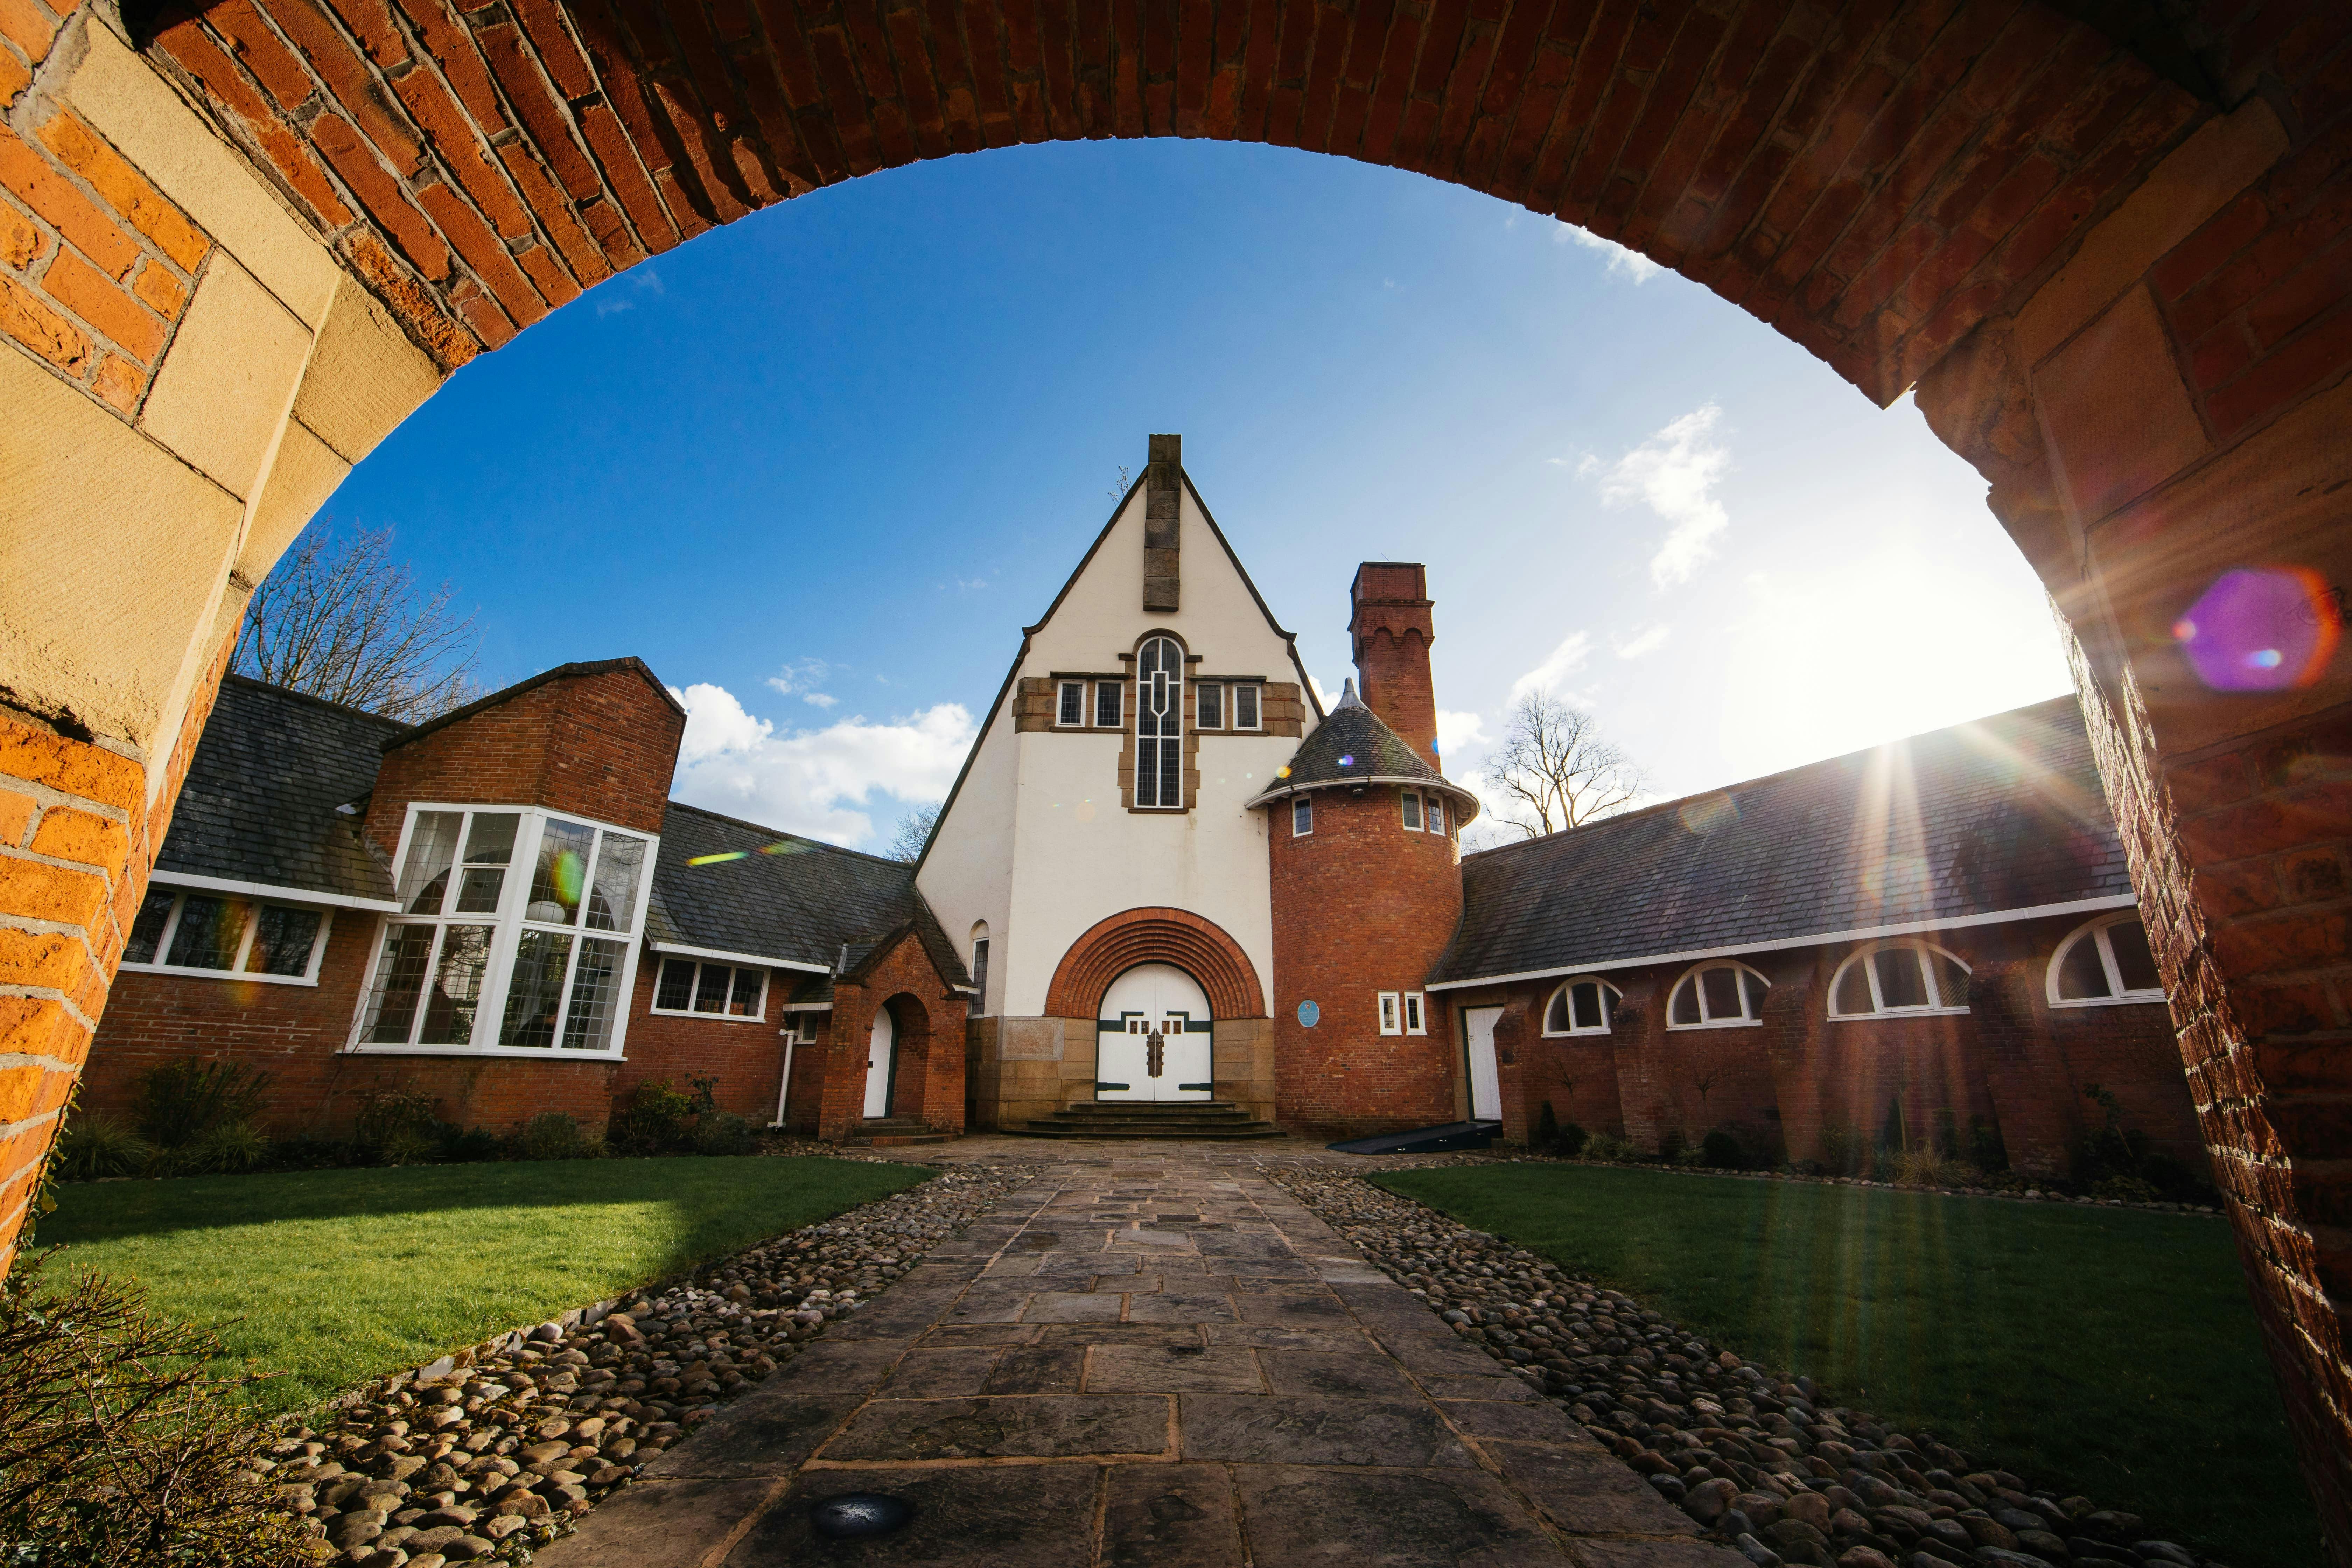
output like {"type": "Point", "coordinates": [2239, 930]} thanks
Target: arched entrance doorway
{"type": "Point", "coordinates": [1153, 1036]}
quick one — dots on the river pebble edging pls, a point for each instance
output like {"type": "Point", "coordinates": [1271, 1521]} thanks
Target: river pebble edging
{"type": "Point", "coordinates": [1754, 1458]}
{"type": "Point", "coordinates": [495, 1451]}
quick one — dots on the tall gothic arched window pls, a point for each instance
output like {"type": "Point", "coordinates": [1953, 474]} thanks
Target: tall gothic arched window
{"type": "Point", "coordinates": [1160, 725]}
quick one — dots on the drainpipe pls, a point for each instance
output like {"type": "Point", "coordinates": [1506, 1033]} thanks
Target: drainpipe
{"type": "Point", "coordinates": [791, 1031]}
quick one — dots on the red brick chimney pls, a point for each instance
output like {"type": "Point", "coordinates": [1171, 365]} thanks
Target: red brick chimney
{"type": "Point", "coordinates": [1392, 632]}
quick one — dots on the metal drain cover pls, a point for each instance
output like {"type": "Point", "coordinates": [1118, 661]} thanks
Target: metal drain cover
{"type": "Point", "coordinates": [854, 1514]}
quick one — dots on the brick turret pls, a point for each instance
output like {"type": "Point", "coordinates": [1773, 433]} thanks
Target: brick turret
{"type": "Point", "coordinates": [1390, 630]}
{"type": "Point", "coordinates": [1365, 899]}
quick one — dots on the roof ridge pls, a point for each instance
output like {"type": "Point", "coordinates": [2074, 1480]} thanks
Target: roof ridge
{"type": "Point", "coordinates": [1657, 806]}
{"type": "Point", "coordinates": [233, 678]}
{"type": "Point", "coordinates": [531, 682]}
{"type": "Point", "coordinates": [783, 833]}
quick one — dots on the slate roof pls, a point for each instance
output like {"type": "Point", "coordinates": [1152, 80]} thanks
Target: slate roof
{"type": "Point", "coordinates": [2004, 813]}
{"type": "Point", "coordinates": [259, 802]}
{"type": "Point", "coordinates": [1353, 742]}
{"type": "Point", "coordinates": [800, 904]}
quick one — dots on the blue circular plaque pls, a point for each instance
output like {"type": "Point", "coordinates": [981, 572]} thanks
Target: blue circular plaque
{"type": "Point", "coordinates": [1308, 1015]}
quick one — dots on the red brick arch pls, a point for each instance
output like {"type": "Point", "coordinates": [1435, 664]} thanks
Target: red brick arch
{"type": "Point", "coordinates": [1198, 947]}
{"type": "Point", "coordinates": [1870, 179]}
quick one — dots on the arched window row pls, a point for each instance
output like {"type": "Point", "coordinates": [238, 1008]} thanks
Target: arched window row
{"type": "Point", "coordinates": [2103, 963]}
{"type": "Point", "coordinates": [1583, 1005]}
{"type": "Point", "coordinates": [1716, 996]}
{"type": "Point", "coordinates": [1899, 977]}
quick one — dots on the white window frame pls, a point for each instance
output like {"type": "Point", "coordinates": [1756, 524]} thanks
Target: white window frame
{"type": "Point", "coordinates": [1432, 814]}
{"type": "Point", "coordinates": [1062, 689]}
{"type": "Point", "coordinates": [1706, 1019]}
{"type": "Point", "coordinates": [1257, 707]}
{"type": "Point", "coordinates": [1610, 994]}
{"type": "Point", "coordinates": [1201, 689]}
{"type": "Point", "coordinates": [981, 951]}
{"type": "Point", "coordinates": [759, 1014]}
{"type": "Point", "coordinates": [799, 1023]}
{"type": "Point", "coordinates": [1410, 809]}
{"type": "Point", "coordinates": [507, 925]}
{"type": "Point", "coordinates": [1416, 1013]}
{"type": "Point", "coordinates": [1391, 1013]}
{"type": "Point", "coordinates": [1299, 805]}
{"type": "Point", "coordinates": [182, 894]}
{"type": "Point", "coordinates": [1117, 691]}
{"type": "Point", "coordinates": [1935, 1006]}
{"type": "Point", "coordinates": [1176, 706]}
{"type": "Point", "coordinates": [2093, 930]}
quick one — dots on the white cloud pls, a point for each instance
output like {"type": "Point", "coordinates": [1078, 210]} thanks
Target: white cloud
{"type": "Point", "coordinates": [819, 698]}
{"type": "Point", "coordinates": [1674, 473]}
{"type": "Point", "coordinates": [1627, 263]}
{"type": "Point", "coordinates": [1648, 641]}
{"type": "Point", "coordinates": [1563, 661]}
{"type": "Point", "coordinates": [1458, 732]}
{"type": "Point", "coordinates": [1322, 692]}
{"type": "Point", "coordinates": [801, 678]}
{"type": "Point", "coordinates": [831, 784]}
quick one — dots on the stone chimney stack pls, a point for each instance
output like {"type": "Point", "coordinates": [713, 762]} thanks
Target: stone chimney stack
{"type": "Point", "coordinates": [1392, 632]}
{"type": "Point", "coordinates": [1163, 489]}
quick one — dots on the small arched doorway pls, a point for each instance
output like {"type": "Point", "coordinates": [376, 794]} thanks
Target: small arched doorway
{"type": "Point", "coordinates": [1153, 1036]}
{"type": "Point", "coordinates": [881, 1062]}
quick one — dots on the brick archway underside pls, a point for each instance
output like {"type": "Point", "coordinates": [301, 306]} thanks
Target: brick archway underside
{"type": "Point", "coordinates": [1198, 947]}
{"type": "Point", "coordinates": [1870, 178]}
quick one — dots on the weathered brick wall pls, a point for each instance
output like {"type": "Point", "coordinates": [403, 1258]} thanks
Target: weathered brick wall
{"type": "Point", "coordinates": [2013, 1063]}
{"type": "Point", "coordinates": [746, 1057]}
{"type": "Point", "coordinates": [1362, 905]}
{"type": "Point", "coordinates": [602, 744]}
{"type": "Point", "coordinates": [290, 1032]}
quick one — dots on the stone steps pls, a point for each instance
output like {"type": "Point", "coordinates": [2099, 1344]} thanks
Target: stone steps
{"type": "Point", "coordinates": [1188, 1118]}
{"type": "Point", "coordinates": [890, 1131]}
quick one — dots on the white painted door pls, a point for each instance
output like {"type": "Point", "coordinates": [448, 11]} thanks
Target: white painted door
{"type": "Point", "coordinates": [881, 1052]}
{"type": "Point", "coordinates": [1152, 1038]}
{"type": "Point", "coordinates": [1485, 1081]}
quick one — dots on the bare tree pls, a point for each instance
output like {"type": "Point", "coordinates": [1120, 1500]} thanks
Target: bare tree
{"type": "Point", "coordinates": [339, 618]}
{"type": "Point", "coordinates": [913, 832]}
{"type": "Point", "coordinates": [1556, 770]}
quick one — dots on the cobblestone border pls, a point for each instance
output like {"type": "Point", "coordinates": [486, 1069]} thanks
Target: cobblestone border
{"type": "Point", "coordinates": [497, 1450]}
{"type": "Point", "coordinates": [1760, 1462]}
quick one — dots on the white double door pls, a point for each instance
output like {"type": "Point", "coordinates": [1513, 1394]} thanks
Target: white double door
{"type": "Point", "coordinates": [1152, 1037]}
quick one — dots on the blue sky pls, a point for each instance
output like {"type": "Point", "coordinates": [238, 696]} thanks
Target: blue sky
{"type": "Point", "coordinates": [819, 467]}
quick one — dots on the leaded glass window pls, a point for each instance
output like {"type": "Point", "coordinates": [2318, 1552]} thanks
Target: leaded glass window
{"type": "Point", "coordinates": [1160, 725]}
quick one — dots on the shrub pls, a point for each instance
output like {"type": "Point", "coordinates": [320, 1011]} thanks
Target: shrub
{"type": "Point", "coordinates": [1926, 1168]}
{"type": "Point", "coordinates": [2175, 1181]}
{"type": "Point", "coordinates": [1546, 1127]}
{"type": "Point", "coordinates": [232, 1149]}
{"type": "Point", "coordinates": [95, 1146]}
{"type": "Point", "coordinates": [304, 1152]}
{"type": "Point", "coordinates": [1986, 1151]}
{"type": "Point", "coordinates": [117, 1445]}
{"type": "Point", "coordinates": [1603, 1147]}
{"type": "Point", "coordinates": [395, 1126]}
{"type": "Point", "coordinates": [471, 1145]}
{"type": "Point", "coordinates": [182, 1100]}
{"type": "Point", "coordinates": [723, 1132]}
{"type": "Point", "coordinates": [1570, 1141]}
{"type": "Point", "coordinates": [2130, 1189]}
{"type": "Point", "coordinates": [653, 1121]}
{"type": "Point", "coordinates": [1722, 1151]}
{"type": "Point", "coordinates": [1841, 1151]}
{"type": "Point", "coordinates": [552, 1135]}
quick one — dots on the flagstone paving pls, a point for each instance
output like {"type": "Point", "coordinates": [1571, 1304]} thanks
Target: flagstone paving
{"type": "Point", "coordinates": [1147, 1356]}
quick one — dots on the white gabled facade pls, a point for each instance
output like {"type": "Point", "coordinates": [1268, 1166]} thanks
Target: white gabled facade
{"type": "Point", "coordinates": [1037, 842]}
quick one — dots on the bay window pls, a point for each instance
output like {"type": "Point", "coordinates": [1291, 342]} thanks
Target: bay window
{"type": "Point", "coordinates": [195, 932]}
{"type": "Point", "coordinates": [516, 934]}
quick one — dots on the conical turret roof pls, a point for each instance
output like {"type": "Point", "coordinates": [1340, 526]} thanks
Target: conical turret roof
{"type": "Point", "coordinates": [1352, 746]}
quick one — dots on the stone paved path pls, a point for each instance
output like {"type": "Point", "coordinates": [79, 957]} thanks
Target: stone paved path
{"type": "Point", "coordinates": [1147, 1356]}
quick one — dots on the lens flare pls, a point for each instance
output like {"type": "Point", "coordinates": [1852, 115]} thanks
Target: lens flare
{"type": "Point", "coordinates": [1708, 813]}
{"type": "Point", "coordinates": [567, 872]}
{"type": "Point", "coordinates": [1281, 772]}
{"type": "Point", "coordinates": [2261, 629]}
{"type": "Point", "coordinates": [1349, 760]}
{"type": "Point", "coordinates": [715, 859]}
{"type": "Point", "coordinates": [785, 846]}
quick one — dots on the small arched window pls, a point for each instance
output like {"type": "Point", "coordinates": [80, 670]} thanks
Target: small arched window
{"type": "Point", "coordinates": [1580, 1006]}
{"type": "Point", "coordinates": [2104, 962]}
{"type": "Point", "coordinates": [1718, 995]}
{"type": "Point", "coordinates": [1899, 977]}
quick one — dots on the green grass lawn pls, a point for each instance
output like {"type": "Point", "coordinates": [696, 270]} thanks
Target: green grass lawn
{"type": "Point", "coordinates": [332, 1276]}
{"type": "Point", "coordinates": [2107, 1352]}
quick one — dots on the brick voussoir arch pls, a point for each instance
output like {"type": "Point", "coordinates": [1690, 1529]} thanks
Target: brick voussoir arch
{"type": "Point", "coordinates": [1200, 948]}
